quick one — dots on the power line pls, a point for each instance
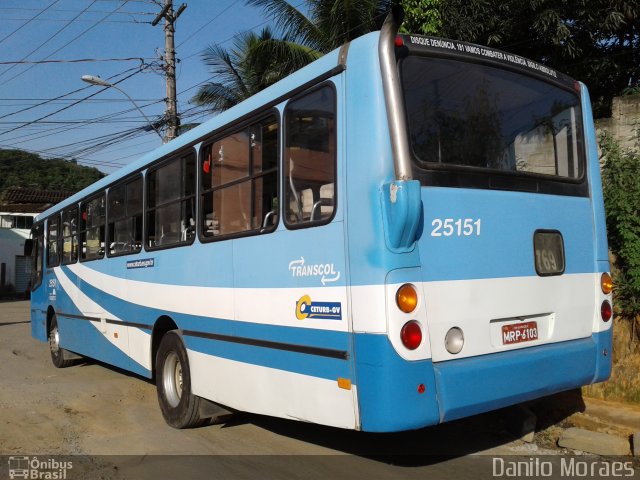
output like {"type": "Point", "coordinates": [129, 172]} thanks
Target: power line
{"type": "Point", "coordinates": [28, 21]}
{"type": "Point", "coordinates": [77, 60]}
{"type": "Point", "coordinates": [86, 141]}
{"type": "Point", "coordinates": [61, 130]}
{"type": "Point", "coordinates": [206, 24]}
{"type": "Point", "coordinates": [193, 112]}
{"type": "Point", "coordinates": [68, 106]}
{"type": "Point", "coordinates": [82, 121]}
{"type": "Point", "coordinates": [32, 101]}
{"type": "Point", "coordinates": [60, 20]}
{"type": "Point", "coordinates": [58, 130]}
{"type": "Point", "coordinates": [62, 96]}
{"type": "Point", "coordinates": [110, 150]}
{"type": "Point", "coordinates": [50, 38]}
{"type": "Point", "coordinates": [70, 41]}
{"type": "Point", "coordinates": [66, 10]}
{"type": "Point", "coordinates": [93, 145]}
{"type": "Point", "coordinates": [238, 34]}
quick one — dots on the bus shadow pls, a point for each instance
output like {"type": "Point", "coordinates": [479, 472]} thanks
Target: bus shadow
{"type": "Point", "coordinates": [4, 324]}
{"type": "Point", "coordinates": [89, 362]}
{"type": "Point", "coordinates": [430, 445]}
{"type": "Point", "coordinates": [423, 447]}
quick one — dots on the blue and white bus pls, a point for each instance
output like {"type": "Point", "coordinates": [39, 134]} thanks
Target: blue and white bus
{"type": "Point", "coordinates": [408, 231]}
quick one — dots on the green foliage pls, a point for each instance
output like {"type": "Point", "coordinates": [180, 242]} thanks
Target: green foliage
{"type": "Point", "coordinates": [422, 17]}
{"type": "Point", "coordinates": [258, 61]}
{"type": "Point", "coordinates": [327, 24]}
{"type": "Point", "coordinates": [244, 70]}
{"type": "Point", "coordinates": [596, 41]}
{"type": "Point", "coordinates": [23, 169]}
{"type": "Point", "coordinates": [622, 203]}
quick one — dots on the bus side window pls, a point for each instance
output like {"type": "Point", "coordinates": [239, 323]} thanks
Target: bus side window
{"type": "Point", "coordinates": [53, 241]}
{"type": "Point", "coordinates": [171, 203]}
{"type": "Point", "coordinates": [70, 236]}
{"type": "Point", "coordinates": [36, 256]}
{"type": "Point", "coordinates": [124, 217]}
{"type": "Point", "coordinates": [310, 158]}
{"type": "Point", "coordinates": [92, 222]}
{"type": "Point", "coordinates": [240, 181]}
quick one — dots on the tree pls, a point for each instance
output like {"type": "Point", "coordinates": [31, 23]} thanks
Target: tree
{"type": "Point", "coordinates": [421, 16]}
{"type": "Point", "coordinates": [257, 61]}
{"type": "Point", "coordinates": [329, 24]}
{"type": "Point", "coordinates": [596, 41]}
{"type": "Point", "coordinates": [238, 73]}
{"type": "Point", "coordinates": [23, 169]}
{"type": "Point", "coordinates": [622, 204]}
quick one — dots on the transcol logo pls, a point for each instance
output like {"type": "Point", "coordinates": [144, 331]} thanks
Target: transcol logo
{"type": "Point", "coordinates": [326, 271]}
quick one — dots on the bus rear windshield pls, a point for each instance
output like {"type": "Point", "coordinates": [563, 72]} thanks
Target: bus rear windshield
{"type": "Point", "coordinates": [471, 116]}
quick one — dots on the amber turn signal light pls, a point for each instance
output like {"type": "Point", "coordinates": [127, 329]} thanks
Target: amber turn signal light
{"type": "Point", "coordinates": [407, 298]}
{"type": "Point", "coordinates": [606, 283]}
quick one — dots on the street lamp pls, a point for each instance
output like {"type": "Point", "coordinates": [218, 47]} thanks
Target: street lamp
{"type": "Point", "coordinates": [95, 80]}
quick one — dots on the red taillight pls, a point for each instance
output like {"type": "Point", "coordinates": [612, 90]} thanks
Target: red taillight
{"type": "Point", "coordinates": [606, 311]}
{"type": "Point", "coordinates": [411, 335]}
{"type": "Point", "coordinates": [399, 42]}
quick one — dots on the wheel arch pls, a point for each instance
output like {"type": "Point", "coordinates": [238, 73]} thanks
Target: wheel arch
{"type": "Point", "coordinates": [162, 325]}
{"type": "Point", "coordinates": [50, 314]}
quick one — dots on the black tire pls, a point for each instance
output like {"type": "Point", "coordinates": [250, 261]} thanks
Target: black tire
{"type": "Point", "coordinates": [180, 408]}
{"type": "Point", "coordinates": [59, 356]}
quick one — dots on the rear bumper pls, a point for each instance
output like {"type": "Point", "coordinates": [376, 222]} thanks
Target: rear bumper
{"type": "Point", "coordinates": [474, 385]}
{"type": "Point", "coordinates": [389, 399]}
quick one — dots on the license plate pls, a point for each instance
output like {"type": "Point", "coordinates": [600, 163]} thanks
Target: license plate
{"type": "Point", "coordinates": [519, 332]}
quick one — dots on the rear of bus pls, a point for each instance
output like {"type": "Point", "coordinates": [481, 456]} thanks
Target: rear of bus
{"type": "Point", "coordinates": [502, 293]}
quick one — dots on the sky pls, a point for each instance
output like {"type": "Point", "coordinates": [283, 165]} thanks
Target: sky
{"type": "Point", "coordinates": [44, 106]}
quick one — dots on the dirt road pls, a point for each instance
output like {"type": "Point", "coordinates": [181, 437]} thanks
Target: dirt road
{"type": "Point", "coordinates": [91, 409]}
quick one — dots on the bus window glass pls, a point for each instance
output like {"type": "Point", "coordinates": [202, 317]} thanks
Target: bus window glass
{"type": "Point", "coordinates": [36, 256]}
{"type": "Point", "coordinates": [53, 241]}
{"type": "Point", "coordinates": [70, 236]}
{"type": "Point", "coordinates": [478, 116]}
{"type": "Point", "coordinates": [171, 216]}
{"type": "Point", "coordinates": [92, 233]}
{"type": "Point", "coordinates": [167, 183]}
{"type": "Point", "coordinates": [240, 181]}
{"type": "Point", "coordinates": [310, 158]}
{"type": "Point", "coordinates": [125, 218]}
{"type": "Point", "coordinates": [264, 147]}
{"type": "Point", "coordinates": [230, 159]}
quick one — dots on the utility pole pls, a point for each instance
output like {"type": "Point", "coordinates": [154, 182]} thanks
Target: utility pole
{"type": "Point", "coordinates": [171, 112]}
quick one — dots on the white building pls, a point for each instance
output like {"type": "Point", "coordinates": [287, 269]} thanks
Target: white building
{"type": "Point", "coordinates": [18, 207]}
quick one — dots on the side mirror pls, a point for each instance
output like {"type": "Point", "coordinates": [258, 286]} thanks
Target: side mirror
{"type": "Point", "coordinates": [28, 247]}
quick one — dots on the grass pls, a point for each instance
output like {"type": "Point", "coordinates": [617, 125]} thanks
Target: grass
{"type": "Point", "coordinates": [624, 383]}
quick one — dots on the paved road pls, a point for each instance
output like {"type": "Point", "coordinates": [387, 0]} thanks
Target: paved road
{"type": "Point", "coordinates": [91, 409]}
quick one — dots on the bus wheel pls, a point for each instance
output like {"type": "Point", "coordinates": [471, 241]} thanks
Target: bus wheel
{"type": "Point", "coordinates": [180, 408]}
{"type": "Point", "coordinates": [59, 356]}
